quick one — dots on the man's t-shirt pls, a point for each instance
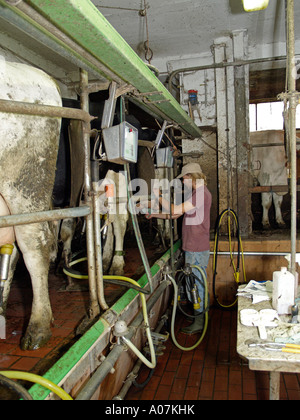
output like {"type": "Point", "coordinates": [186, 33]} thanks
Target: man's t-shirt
{"type": "Point", "coordinates": [196, 223]}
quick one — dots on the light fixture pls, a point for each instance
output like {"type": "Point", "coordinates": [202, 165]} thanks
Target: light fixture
{"type": "Point", "coordinates": [254, 5]}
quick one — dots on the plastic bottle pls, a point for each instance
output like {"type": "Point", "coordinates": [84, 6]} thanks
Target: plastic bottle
{"type": "Point", "coordinates": [283, 291]}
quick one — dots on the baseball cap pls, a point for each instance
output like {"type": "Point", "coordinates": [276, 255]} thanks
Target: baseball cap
{"type": "Point", "coordinates": [190, 168]}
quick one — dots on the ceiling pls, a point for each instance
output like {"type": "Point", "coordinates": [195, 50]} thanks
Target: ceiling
{"type": "Point", "coordinates": [179, 28]}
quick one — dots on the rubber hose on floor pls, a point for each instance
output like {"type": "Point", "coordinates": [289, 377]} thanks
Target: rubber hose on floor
{"type": "Point", "coordinates": [16, 388]}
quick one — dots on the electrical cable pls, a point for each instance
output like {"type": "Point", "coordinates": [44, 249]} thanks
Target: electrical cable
{"type": "Point", "coordinates": [236, 268]}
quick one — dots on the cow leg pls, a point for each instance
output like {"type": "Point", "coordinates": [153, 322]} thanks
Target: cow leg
{"type": "Point", "coordinates": [266, 201]}
{"type": "Point", "coordinates": [120, 224]}
{"type": "Point", "coordinates": [108, 249]}
{"type": "Point", "coordinates": [277, 203]}
{"type": "Point", "coordinates": [35, 242]}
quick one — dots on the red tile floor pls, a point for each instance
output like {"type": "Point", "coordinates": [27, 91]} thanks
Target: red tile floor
{"type": "Point", "coordinates": [213, 371]}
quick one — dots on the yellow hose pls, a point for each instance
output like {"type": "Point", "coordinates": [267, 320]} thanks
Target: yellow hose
{"type": "Point", "coordinates": [46, 383]}
{"type": "Point", "coordinates": [236, 273]}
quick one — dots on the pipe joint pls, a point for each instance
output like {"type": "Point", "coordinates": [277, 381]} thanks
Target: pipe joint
{"type": "Point", "coordinates": [120, 329]}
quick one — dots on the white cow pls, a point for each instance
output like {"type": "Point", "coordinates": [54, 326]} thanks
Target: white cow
{"type": "Point", "coordinates": [269, 168]}
{"type": "Point", "coordinates": [28, 153]}
{"type": "Point", "coordinates": [117, 218]}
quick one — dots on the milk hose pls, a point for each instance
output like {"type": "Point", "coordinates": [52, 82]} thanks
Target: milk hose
{"type": "Point", "coordinates": [46, 383]}
{"type": "Point", "coordinates": [119, 280]}
{"type": "Point", "coordinates": [175, 310]}
{"type": "Point", "coordinates": [123, 281]}
{"type": "Point", "coordinates": [136, 229]}
{"type": "Point", "coordinates": [240, 253]}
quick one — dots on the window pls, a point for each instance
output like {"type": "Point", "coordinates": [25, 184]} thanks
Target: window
{"type": "Point", "coordinates": [268, 116]}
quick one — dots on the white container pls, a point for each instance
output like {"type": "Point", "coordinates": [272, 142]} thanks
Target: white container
{"type": "Point", "coordinates": [283, 291]}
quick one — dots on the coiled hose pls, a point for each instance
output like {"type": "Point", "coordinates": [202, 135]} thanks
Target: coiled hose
{"type": "Point", "coordinates": [236, 268]}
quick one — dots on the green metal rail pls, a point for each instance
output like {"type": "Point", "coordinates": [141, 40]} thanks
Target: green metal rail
{"type": "Point", "coordinates": [72, 357]}
{"type": "Point", "coordinates": [84, 24]}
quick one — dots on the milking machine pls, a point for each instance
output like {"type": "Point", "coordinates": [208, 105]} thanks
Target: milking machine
{"type": "Point", "coordinates": [5, 255]}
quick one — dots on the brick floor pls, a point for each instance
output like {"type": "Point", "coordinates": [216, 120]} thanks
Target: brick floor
{"type": "Point", "coordinates": [68, 309]}
{"type": "Point", "coordinates": [213, 371]}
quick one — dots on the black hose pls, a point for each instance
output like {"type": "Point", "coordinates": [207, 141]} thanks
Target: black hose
{"type": "Point", "coordinates": [147, 380]}
{"type": "Point", "coordinates": [17, 388]}
{"type": "Point", "coordinates": [189, 279]}
{"type": "Point", "coordinates": [71, 272]}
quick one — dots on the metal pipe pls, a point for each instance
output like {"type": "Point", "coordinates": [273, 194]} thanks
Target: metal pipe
{"type": "Point", "coordinates": [253, 254]}
{"type": "Point", "coordinates": [43, 216]}
{"type": "Point", "coordinates": [293, 102]}
{"type": "Point", "coordinates": [104, 369]}
{"type": "Point", "coordinates": [98, 247]}
{"type": "Point", "coordinates": [115, 58]}
{"type": "Point", "coordinates": [78, 58]}
{"type": "Point", "coordinates": [223, 65]}
{"type": "Point", "coordinates": [84, 100]}
{"type": "Point", "coordinates": [135, 371]}
{"type": "Point", "coordinates": [26, 108]}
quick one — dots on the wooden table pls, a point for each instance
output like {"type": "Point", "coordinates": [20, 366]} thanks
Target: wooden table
{"type": "Point", "coordinates": [260, 359]}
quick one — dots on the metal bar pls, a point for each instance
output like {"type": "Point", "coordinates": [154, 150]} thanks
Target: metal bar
{"type": "Point", "coordinates": [98, 250]}
{"type": "Point", "coordinates": [293, 102]}
{"type": "Point", "coordinates": [43, 216]}
{"type": "Point", "coordinates": [26, 108]}
{"type": "Point", "coordinates": [254, 254]}
{"type": "Point", "coordinates": [24, 22]}
{"type": "Point", "coordinates": [224, 65]}
{"type": "Point", "coordinates": [274, 188]}
{"type": "Point", "coordinates": [84, 100]}
{"type": "Point", "coordinates": [92, 32]}
{"type": "Point", "coordinates": [267, 145]}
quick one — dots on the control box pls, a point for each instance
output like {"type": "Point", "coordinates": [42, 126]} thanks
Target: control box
{"type": "Point", "coordinates": [121, 143]}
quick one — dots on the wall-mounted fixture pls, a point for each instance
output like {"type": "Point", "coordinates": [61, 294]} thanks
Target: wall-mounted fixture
{"type": "Point", "coordinates": [253, 5]}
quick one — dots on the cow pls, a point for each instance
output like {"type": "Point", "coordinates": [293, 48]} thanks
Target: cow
{"type": "Point", "coordinates": [28, 154]}
{"type": "Point", "coordinates": [269, 168]}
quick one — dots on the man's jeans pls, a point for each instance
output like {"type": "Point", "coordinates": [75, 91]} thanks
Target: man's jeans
{"type": "Point", "coordinates": [201, 260]}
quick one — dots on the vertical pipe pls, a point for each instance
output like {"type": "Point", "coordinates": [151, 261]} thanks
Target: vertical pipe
{"type": "Point", "coordinates": [98, 247]}
{"type": "Point", "coordinates": [84, 100]}
{"type": "Point", "coordinates": [293, 99]}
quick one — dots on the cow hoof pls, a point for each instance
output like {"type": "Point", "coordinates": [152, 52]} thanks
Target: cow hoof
{"type": "Point", "coordinates": [34, 338]}
{"type": "Point", "coordinates": [281, 225]}
{"type": "Point", "coordinates": [116, 271]}
{"type": "Point", "coordinates": [267, 227]}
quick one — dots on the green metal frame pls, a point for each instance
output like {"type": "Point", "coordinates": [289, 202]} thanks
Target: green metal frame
{"type": "Point", "coordinates": [82, 22]}
{"type": "Point", "coordinates": [67, 362]}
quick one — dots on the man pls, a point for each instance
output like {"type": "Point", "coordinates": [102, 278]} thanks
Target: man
{"type": "Point", "coordinates": [195, 229]}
